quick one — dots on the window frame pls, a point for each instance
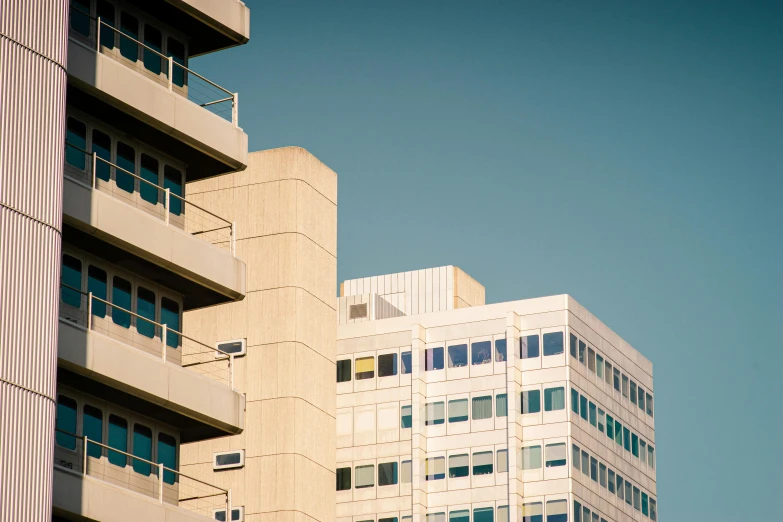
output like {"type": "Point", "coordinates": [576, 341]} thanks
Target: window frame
{"type": "Point", "coordinates": [219, 467]}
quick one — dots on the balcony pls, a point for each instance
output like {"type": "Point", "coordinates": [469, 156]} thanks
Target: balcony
{"type": "Point", "coordinates": [146, 360]}
{"type": "Point", "coordinates": [156, 223]}
{"type": "Point", "coordinates": [157, 89]}
{"type": "Point", "coordinates": [97, 482]}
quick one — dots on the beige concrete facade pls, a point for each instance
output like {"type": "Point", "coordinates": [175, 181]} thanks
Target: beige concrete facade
{"type": "Point", "coordinates": [285, 207]}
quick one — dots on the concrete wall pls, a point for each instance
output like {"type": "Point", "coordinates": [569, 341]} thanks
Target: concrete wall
{"type": "Point", "coordinates": [285, 207]}
{"type": "Point", "coordinates": [32, 117]}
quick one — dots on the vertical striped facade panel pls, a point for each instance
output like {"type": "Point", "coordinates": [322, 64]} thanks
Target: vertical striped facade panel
{"type": "Point", "coordinates": [33, 50]}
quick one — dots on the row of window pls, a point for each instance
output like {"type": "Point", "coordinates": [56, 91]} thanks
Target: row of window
{"type": "Point", "coordinates": [614, 430]}
{"type": "Point", "coordinates": [583, 513]}
{"type": "Point", "coordinates": [125, 156]}
{"type": "Point", "coordinates": [481, 408]}
{"type": "Point", "coordinates": [613, 376]}
{"type": "Point", "coordinates": [606, 477]}
{"type": "Point", "coordinates": [131, 437]}
{"type": "Point", "coordinates": [120, 292]}
{"type": "Point", "coordinates": [129, 25]}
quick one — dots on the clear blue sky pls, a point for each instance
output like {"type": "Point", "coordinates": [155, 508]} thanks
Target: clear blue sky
{"type": "Point", "coordinates": [626, 153]}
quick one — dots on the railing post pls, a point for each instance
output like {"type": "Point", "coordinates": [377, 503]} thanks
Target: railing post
{"type": "Point", "coordinates": [228, 505]}
{"type": "Point", "coordinates": [231, 370]}
{"type": "Point", "coordinates": [84, 458]}
{"type": "Point", "coordinates": [89, 311]}
{"type": "Point", "coordinates": [160, 482]}
{"type": "Point", "coordinates": [168, 202]}
{"type": "Point", "coordinates": [163, 338]}
{"type": "Point", "coordinates": [98, 34]}
{"type": "Point", "coordinates": [171, 73]}
{"type": "Point", "coordinates": [234, 238]}
{"type": "Point", "coordinates": [94, 164]}
{"type": "Point", "coordinates": [235, 110]}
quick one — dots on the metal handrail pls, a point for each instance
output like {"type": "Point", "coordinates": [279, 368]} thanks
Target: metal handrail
{"type": "Point", "coordinates": [164, 329]}
{"type": "Point", "coordinates": [232, 96]}
{"type": "Point", "coordinates": [167, 192]}
{"type": "Point", "coordinates": [161, 468]}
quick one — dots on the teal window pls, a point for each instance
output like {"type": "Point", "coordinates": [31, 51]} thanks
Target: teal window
{"type": "Point", "coordinates": [106, 12]}
{"type": "Point", "coordinates": [406, 363]}
{"type": "Point", "coordinates": [169, 315]}
{"type": "Point", "coordinates": [121, 297]}
{"type": "Point", "coordinates": [628, 493]}
{"type": "Point", "coordinates": [575, 452]}
{"type": "Point", "coordinates": [483, 515]}
{"type": "Point", "coordinates": [71, 276]}
{"type": "Point", "coordinates": [610, 481]}
{"type": "Point", "coordinates": [616, 376]}
{"type": "Point", "coordinates": [118, 439]}
{"type": "Point", "coordinates": [177, 52]}
{"type": "Point", "coordinates": [577, 511]}
{"type": "Point", "coordinates": [459, 466]}
{"type": "Point", "coordinates": [172, 180]}
{"type": "Point", "coordinates": [593, 469]}
{"type": "Point", "coordinates": [554, 399]}
{"type": "Point", "coordinates": [154, 39]}
{"type": "Point", "coordinates": [633, 393]}
{"type": "Point", "coordinates": [555, 455]}
{"type": "Point", "coordinates": [609, 426]}
{"type": "Point", "coordinates": [645, 504]}
{"type": "Point", "coordinates": [459, 515]}
{"type": "Point", "coordinates": [501, 405]}
{"type": "Point", "coordinates": [76, 136]}
{"type": "Point", "coordinates": [500, 350]}
{"type": "Point", "coordinates": [531, 401]}
{"type": "Point", "coordinates": [80, 16]}
{"type": "Point", "coordinates": [529, 347]}
{"type": "Point", "coordinates": [149, 172]}
{"type": "Point", "coordinates": [343, 479]}
{"type": "Point", "coordinates": [651, 456]}
{"type": "Point", "coordinates": [167, 455]}
{"type": "Point", "coordinates": [433, 358]}
{"type": "Point", "coordinates": [406, 417]}
{"type": "Point", "coordinates": [625, 386]}
{"type": "Point", "coordinates": [458, 410]}
{"type": "Point", "coordinates": [620, 488]}
{"type": "Point", "coordinates": [653, 509]}
{"type": "Point", "coordinates": [458, 356]}
{"type": "Point", "coordinates": [92, 428]}
{"type": "Point", "coordinates": [637, 499]}
{"type": "Point", "coordinates": [66, 422]}
{"type": "Point", "coordinates": [387, 365]}
{"type": "Point", "coordinates": [585, 463]}
{"type": "Point", "coordinates": [583, 406]}
{"type": "Point", "coordinates": [126, 159]}
{"type": "Point", "coordinates": [145, 307]}
{"type": "Point", "coordinates": [618, 433]}
{"type": "Point", "coordinates": [129, 27]}
{"type": "Point", "coordinates": [531, 457]}
{"type": "Point", "coordinates": [641, 399]}
{"type": "Point", "coordinates": [482, 407]}
{"type": "Point", "coordinates": [553, 343]}
{"type": "Point", "coordinates": [344, 370]}
{"type": "Point", "coordinates": [626, 439]}
{"type": "Point", "coordinates": [434, 413]}
{"type": "Point", "coordinates": [601, 421]}
{"type": "Point", "coordinates": [557, 511]}
{"type": "Point", "coordinates": [649, 405]}
{"type": "Point", "coordinates": [387, 474]}
{"type": "Point", "coordinates": [593, 416]}
{"type": "Point", "coordinates": [602, 475]}
{"type": "Point", "coordinates": [575, 401]}
{"type": "Point", "coordinates": [572, 343]}
{"type": "Point", "coordinates": [599, 366]}
{"type": "Point", "coordinates": [101, 146]}
{"type": "Point", "coordinates": [585, 514]}
{"type": "Point", "coordinates": [582, 352]}
{"type": "Point", "coordinates": [142, 448]}
{"type": "Point", "coordinates": [635, 445]}
{"type": "Point", "coordinates": [533, 512]}
{"type": "Point", "coordinates": [483, 462]}
{"type": "Point", "coordinates": [481, 352]}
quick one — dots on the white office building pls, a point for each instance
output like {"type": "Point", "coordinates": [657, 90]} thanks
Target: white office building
{"type": "Point", "coordinates": [452, 409]}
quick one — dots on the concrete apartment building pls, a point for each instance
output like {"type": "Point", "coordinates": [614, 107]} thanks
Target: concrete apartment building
{"type": "Point", "coordinates": [452, 409]}
{"type": "Point", "coordinates": [102, 251]}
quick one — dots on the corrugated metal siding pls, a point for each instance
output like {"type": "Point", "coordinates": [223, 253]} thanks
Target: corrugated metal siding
{"type": "Point", "coordinates": [33, 50]}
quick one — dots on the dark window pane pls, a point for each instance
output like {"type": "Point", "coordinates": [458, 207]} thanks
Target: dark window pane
{"type": "Point", "coordinates": [152, 38]}
{"type": "Point", "coordinates": [618, 433]}
{"type": "Point", "coordinates": [483, 515]}
{"type": "Point", "coordinates": [575, 401]}
{"type": "Point", "coordinates": [106, 12]}
{"type": "Point", "coordinates": [177, 52]}
{"type": "Point", "coordinates": [149, 172]}
{"type": "Point", "coordinates": [234, 347]}
{"type": "Point", "coordinates": [406, 417]}
{"type": "Point", "coordinates": [593, 418]}
{"type": "Point", "coordinates": [481, 352]}
{"type": "Point", "coordinates": [121, 297]}
{"type": "Point", "coordinates": [387, 474]}
{"type": "Point", "coordinates": [583, 406]}
{"type": "Point", "coordinates": [635, 445]}
{"type": "Point", "coordinates": [458, 355]}
{"type": "Point", "coordinates": [387, 365]}
{"type": "Point", "coordinates": [572, 342]}
{"type": "Point", "coordinates": [344, 370]}
{"type": "Point", "coordinates": [593, 469]}
{"type": "Point", "coordinates": [528, 347]}
{"type": "Point", "coordinates": [343, 479]}
{"type": "Point", "coordinates": [76, 136]}
{"type": "Point", "coordinates": [406, 363]}
{"type": "Point", "coordinates": [553, 343]}
{"type": "Point", "coordinates": [228, 459]}
{"type": "Point", "coordinates": [531, 401]}
{"type": "Point", "coordinates": [92, 428]}
{"type": "Point", "coordinates": [71, 275]}
{"type": "Point", "coordinates": [129, 26]}
{"type": "Point", "coordinates": [80, 16]}
{"type": "Point", "coordinates": [434, 359]}
{"type": "Point", "coordinates": [633, 393]}
{"type": "Point", "coordinates": [609, 427]}
{"type": "Point", "coordinates": [118, 439]}
{"type": "Point", "coordinates": [172, 180]}
{"type": "Point", "coordinates": [610, 481]}
{"type": "Point", "coordinates": [554, 399]}
{"type": "Point", "coordinates": [126, 159]}
{"type": "Point", "coordinates": [169, 316]}
{"type": "Point", "coordinates": [142, 447]}
{"type": "Point", "coordinates": [616, 375]}
{"type": "Point", "coordinates": [66, 422]}
{"type": "Point", "coordinates": [167, 455]}
{"type": "Point", "coordinates": [500, 350]}
{"type": "Point", "coordinates": [101, 146]}
{"type": "Point", "coordinates": [626, 439]}
{"type": "Point", "coordinates": [145, 307]}
{"type": "Point", "coordinates": [582, 348]}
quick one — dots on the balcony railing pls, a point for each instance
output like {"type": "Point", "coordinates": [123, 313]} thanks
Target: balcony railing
{"type": "Point", "coordinates": [84, 456]}
{"type": "Point", "coordinates": [94, 313]}
{"type": "Point", "coordinates": [159, 67]}
{"type": "Point", "coordinates": [161, 202]}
